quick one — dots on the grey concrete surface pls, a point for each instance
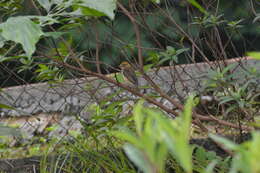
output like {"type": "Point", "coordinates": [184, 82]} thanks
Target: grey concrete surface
{"type": "Point", "coordinates": [72, 96]}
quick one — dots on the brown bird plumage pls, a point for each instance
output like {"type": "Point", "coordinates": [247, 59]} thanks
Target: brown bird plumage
{"type": "Point", "coordinates": [129, 73]}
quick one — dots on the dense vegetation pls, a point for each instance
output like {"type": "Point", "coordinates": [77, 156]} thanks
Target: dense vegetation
{"type": "Point", "coordinates": [60, 39]}
{"type": "Point", "coordinates": [168, 23]}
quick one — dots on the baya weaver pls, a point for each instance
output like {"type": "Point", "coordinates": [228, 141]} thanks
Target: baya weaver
{"type": "Point", "coordinates": [129, 73]}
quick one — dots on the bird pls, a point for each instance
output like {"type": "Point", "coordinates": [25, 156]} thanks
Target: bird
{"type": "Point", "coordinates": [129, 73]}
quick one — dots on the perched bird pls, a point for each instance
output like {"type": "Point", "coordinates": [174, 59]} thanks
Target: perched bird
{"type": "Point", "coordinates": [129, 73]}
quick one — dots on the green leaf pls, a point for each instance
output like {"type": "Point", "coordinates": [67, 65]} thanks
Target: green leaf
{"type": "Point", "coordinates": [198, 6]}
{"type": "Point", "coordinates": [138, 117]}
{"type": "Point", "coordinates": [119, 77]}
{"type": "Point", "coordinates": [2, 59]}
{"type": "Point", "coordinates": [22, 30]}
{"type": "Point", "coordinates": [3, 106]}
{"type": "Point", "coordinates": [163, 60]}
{"type": "Point", "coordinates": [2, 41]}
{"type": "Point", "coordinates": [161, 155]}
{"type": "Point", "coordinates": [255, 55]}
{"type": "Point", "coordinates": [180, 51]}
{"type": "Point", "coordinates": [138, 157]}
{"type": "Point", "coordinates": [54, 35]}
{"type": "Point", "coordinates": [183, 149]}
{"type": "Point", "coordinates": [148, 67]}
{"type": "Point", "coordinates": [256, 18]}
{"type": "Point", "coordinates": [246, 156]}
{"type": "Point", "coordinates": [156, 1]}
{"type": "Point", "coordinates": [210, 167]}
{"type": "Point", "coordinates": [99, 8]}
{"type": "Point", "coordinates": [46, 4]}
{"type": "Point", "coordinates": [127, 135]}
{"type": "Point", "coordinates": [225, 99]}
{"type": "Point", "coordinates": [176, 136]}
{"type": "Point", "coordinates": [43, 20]}
{"type": "Point", "coordinates": [187, 114]}
{"type": "Point", "coordinates": [227, 143]}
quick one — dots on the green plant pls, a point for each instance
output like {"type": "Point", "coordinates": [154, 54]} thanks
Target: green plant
{"type": "Point", "coordinates": [208, 161]}
{"type": "Point", "coordinates": [154, 144]}
{"type": "Point", "coordinates": [246, 155]}
{"type": "Point", "coordinates": [92, 150]}
{"type": "Point", "coordinates": [160, 144]}
{"type": "Point", "coordinates": [171, 55]}
{"type": "Point", "coordinates": [157, 135]}
{"type": "Point", "coordinates": [158, 141]}
{"type": "Point", "coordinates": [209, 20]}
{"type": "Point", "coordinates": [237, 93]}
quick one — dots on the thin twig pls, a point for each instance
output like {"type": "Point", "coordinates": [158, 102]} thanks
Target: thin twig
{"type": "Point", "coordinates": [137, 33]}
{"type": "Point", "coordinates": [97, 50]}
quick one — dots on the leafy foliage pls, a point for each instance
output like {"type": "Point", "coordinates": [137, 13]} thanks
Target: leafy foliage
{"type": "Point", "coordinates": [155, 137]}
{"type": "Point", "coordinates": [171, 55]}
{"type": "Point", "coordinates": [246, 154]}
{"type": "Point", "coordinates": [154, 143]}
{"type": "Point", "coordinates": [237, 92]}
{"type": "Point", "coordinates": [28, 33]}
{"type": "Point", "coordinates": [76, 20]}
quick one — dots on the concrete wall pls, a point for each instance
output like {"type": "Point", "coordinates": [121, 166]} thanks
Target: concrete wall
{"type": "Point", "coordinates": [41, 105]}
{"type": "Point", "coordinates": [72, 96]}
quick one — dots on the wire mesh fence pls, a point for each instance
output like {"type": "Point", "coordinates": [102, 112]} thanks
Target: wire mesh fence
{"type": "Point", "coordinates": [37, 107]}
{"type": "Point", "coordinates": [175, 52]}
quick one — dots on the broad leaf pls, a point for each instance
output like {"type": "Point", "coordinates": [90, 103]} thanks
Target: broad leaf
{"type": "Point", "coordinates": [99, 7]}
{"type": "Point", "coordinates": [22, 30]}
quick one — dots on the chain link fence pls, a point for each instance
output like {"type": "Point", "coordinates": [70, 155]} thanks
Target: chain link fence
{"type": "Point", "coordinates": [36, 107]}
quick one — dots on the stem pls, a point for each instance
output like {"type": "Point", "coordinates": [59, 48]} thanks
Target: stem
{"type": "Point", "coordinates": [137, 33]}
{"type": "Point", "coordinates": [97, 51]}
